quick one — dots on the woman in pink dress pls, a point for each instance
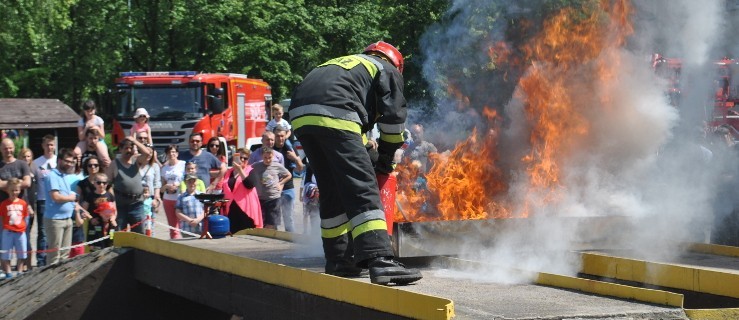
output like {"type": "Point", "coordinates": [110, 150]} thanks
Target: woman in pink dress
{"type": "Point", "coordinates": [243, 209]}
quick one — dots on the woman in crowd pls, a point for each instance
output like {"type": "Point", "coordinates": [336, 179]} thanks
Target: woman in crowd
{"type": "Point", "coordinates": [86, 187]}
{"type": "Point", "coordinates": [30, 196]}
{"type": "Point", "coordinates": [243, 209]}
{"type": "Point", "coordinates": [173, 173]}
{"type": "Point", "coordinates": [86, 190]}
{"type": "Point", "coordinates": [218, 149]}
{"type": "Point", "coordinates": [151, 177]}
{"type": "Point", "coordinates": [89, 120]}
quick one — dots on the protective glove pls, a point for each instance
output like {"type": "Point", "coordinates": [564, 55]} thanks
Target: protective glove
{"type": "Point", "coordinates": [384, 164]}
{"type": "Point", "coordinates": [373, 154]}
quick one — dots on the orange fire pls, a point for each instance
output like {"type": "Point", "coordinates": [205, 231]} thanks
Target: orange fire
{"type": "Point", "coordinates": [575, 51]}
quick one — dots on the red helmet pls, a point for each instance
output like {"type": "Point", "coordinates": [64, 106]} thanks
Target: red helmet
{"type": "Point", "coordinates": [387, 50]}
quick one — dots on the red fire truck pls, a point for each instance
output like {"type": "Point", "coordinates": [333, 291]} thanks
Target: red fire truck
{"type": "Point", "coordinates": [723, 107]}
{"type": "Point", "coordinates": [232, 106]}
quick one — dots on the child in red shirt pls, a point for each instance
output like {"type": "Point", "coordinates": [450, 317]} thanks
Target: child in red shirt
{"type": "Point", "coordinates": [14, 212]}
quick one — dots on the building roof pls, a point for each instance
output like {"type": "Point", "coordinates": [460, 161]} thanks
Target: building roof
{"type": "Point", "coordinates": [36, 114]}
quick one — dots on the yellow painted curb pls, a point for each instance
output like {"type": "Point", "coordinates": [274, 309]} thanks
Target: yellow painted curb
{"type": "Point", "coordinates": [712, 314]}
{"type": "Point", "coordinates": [382, 298]}
{"type": "Point", "coordinates": [585, 285]}
{"type": "Point", "coordinates": [662, 274]}
{"type": "Point", "coordinates": [612, 289]}
{"type": "Point", "coordinates": [274, 234]}
{"type": "Point", "coordinates": [714, 249]}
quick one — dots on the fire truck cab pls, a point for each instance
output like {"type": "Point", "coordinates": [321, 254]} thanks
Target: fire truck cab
{"type": "Point", "coordinates": [723, 107]}
{"type": "Point", "coordinates": [226, 105]}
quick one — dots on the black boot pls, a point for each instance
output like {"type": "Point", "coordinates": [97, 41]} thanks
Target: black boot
{"type": "Point", "coordinates": [384, 270]}
{"type": "Point", "coordinates": [342, 268]}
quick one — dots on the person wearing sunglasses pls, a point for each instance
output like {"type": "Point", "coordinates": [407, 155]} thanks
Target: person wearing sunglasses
{"type": "Point", "coordinates": [90, 167]}
{"type": "Point", "coordinates": [205, 161]}
{"type": "Point", "coordinates": [93, 202]}
{"type": "Point", "coordinates": [243, 209]}
{"type": "Point", "coordinates": [218, 149]}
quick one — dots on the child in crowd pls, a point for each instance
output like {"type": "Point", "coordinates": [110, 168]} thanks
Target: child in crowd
{"type": "Point", "coordinates": [192, 168]}
{"type": "Point", "coordinates": [141, 124]}
{"type": "Point", "coordinates": [101, 206]}
{"type": "Point", "coordinates": [14, 211]}
{"type": "Point", "coordinates": [268, 177]}
{"type": "Point", "coordinates": [277, 120]}
{"type": "Point", "coordinates": [78, 231]}
{"type": "Point", "coordinates": [89, 120]}
{"type": "Point", "coordinates": [188, 208]}
{"type": "Point", "coordinates": [148, 199]}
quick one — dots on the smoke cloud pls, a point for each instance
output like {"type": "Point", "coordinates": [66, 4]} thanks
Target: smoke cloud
{"type": "Point", "coordinates": [643, 178]}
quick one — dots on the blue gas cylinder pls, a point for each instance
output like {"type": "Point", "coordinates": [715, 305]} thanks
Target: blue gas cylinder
{"type": "Point", "coordinates": [218, 226]}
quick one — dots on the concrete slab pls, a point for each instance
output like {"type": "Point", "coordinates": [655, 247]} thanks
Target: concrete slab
{"type": "Point", "coordinates": [473, 299]}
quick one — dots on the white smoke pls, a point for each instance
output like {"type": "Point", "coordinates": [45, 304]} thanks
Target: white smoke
{"type": "Point", "coordinates": [640, 180]}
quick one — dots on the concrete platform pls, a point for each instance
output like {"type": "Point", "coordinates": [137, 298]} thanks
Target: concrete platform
{"type": "Point", "coordinates": [472, 299]}
{"type": "Point", "coordinates": [267, 277]}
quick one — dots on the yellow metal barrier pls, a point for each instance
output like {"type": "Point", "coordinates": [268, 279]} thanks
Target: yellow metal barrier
{"type": "Point", "coordinates": [382, 298]}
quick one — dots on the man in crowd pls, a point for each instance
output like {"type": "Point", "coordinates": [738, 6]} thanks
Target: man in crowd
{"type": "Point", "coordinates": [292, 163]}
{"type": "Point", "coordinates": [268, 140]}
{"type": "Point", "coordinates": [205, 161]}
{"type": "Point", "coordinates": [355, 92]}
{"type": "Point", "coordinates": [44, 164]}
{"type": "Point", "coordinates": [10, 167]}
{"type": "Point", "coordinates": [60, 207]}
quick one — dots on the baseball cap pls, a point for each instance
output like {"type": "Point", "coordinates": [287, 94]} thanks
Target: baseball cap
{"type": "Point", "coordinates": [190, 176]}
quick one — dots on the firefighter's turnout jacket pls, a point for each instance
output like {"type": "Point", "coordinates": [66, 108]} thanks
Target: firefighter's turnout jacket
{"type": "Point", "coordinates": [330, 111]}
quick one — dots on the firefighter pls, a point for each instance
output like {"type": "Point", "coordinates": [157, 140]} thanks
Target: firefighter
{"type": "Point", "coordinates": [331, 109]}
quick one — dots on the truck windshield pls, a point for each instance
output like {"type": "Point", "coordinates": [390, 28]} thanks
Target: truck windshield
{"type": "Point", "coordinates": [172, 103]}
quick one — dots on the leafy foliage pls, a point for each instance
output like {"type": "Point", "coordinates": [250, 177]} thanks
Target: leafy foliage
{"type": "Point", "coordinates": [73, 49]}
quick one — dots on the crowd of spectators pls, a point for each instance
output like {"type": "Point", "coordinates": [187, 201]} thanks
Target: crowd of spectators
{"type": "Point", "coordinates": [80, 194]}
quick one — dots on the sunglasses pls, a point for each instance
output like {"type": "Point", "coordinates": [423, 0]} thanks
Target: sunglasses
{"type": "Point", "coordinates": [213, 146]}
{"type": "Point", "coordinates": [101, 183]}
{"type": "Point", "coordinates": [93, 165]}
{"type": "Point", "coordinates": [143, 138]}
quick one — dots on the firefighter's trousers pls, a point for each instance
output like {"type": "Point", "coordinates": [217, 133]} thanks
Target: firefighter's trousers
{"type": "Point", "coordinates": [350, 208]}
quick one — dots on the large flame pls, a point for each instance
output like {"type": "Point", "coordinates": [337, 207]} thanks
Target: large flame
{"type": "Point", "coordinates": [467, 183]}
